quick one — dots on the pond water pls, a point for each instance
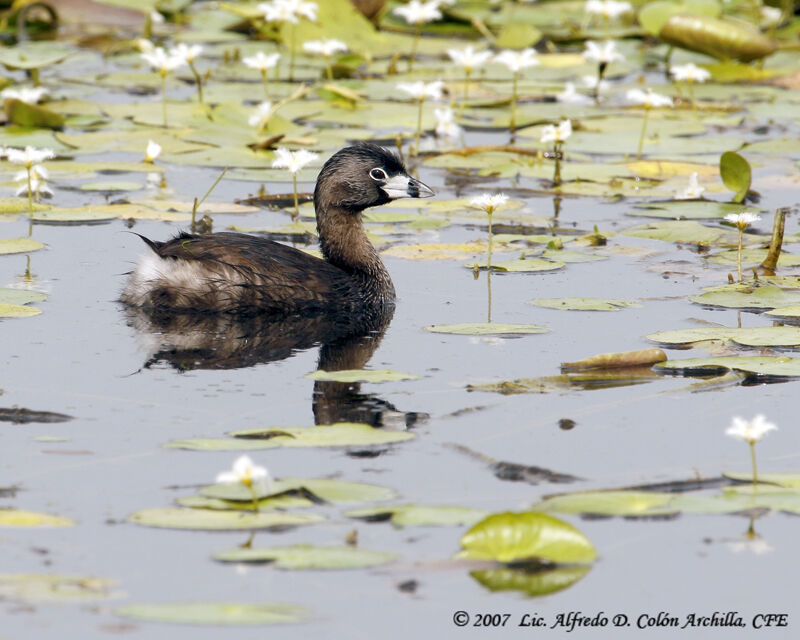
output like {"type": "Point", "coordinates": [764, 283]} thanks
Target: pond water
{"type": "Point", "coordinates": [83, 357]}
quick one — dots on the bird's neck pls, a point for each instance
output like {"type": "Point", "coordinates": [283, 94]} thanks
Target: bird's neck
{"type": "Point", "coordinates": [345, 245]}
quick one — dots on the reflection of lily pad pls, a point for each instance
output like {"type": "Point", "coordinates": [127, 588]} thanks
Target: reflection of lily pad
{"type": "Point", "coordinates": [200, 519]}
{"type": "Point", "coordinates": [216, 613]}
{"type": "Point", "coordinates": [517, 537]}
{"type": "Point", "coordinates": [584, 304]}
{"type": "Point", "coordinates": [486, 328]}
{"type": "Point", "coordinates": [532, 583]}
{"type": "Point", "coordinates": [302, 556]}
{"type": "Point", "coordinates": [361, 375]}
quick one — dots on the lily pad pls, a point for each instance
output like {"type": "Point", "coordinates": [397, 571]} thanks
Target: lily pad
{"type": "Point", "coordinates": [527, 265]}
{"type": "Point", "coordinates": [687, 232]}
{"type": "Point", "coordinates": [20, 296]}
{"type": "Point", "coordinates": [687, 209]}
{"type": "Point", "coordinates": [361, 375]}
{"type": "Point", "coordinates": [301, 556]}
{"type": "Point", "coordinates": [516, 537]}
{"type": "Point", "coordinates": [486, 328]}
{"type": "Point", "coordinates": [19, 245]}
{"type": "Point", "coordinates": [216, 613]}
{"type": "Point", "coordinates": [409, 515]}
{"type": "Point", "coordinates": [736, 174]}
{"type": "Point", "coordinates": [787, 480]}
{"type": "Point", "coordinates": [34, 55]}
{"type": "Point", "coordinates": [335, 491]}
{"type": "Point", "coordinates": [747, 297]}
{"type": "Point", "coordinates": [37, 587]}
{"type": "Point", "coordinates": [773, 367]}
{"type": "Point", "coordinates": [609, 503]}
{"type": "Point", "coordinates": [111, 185]}
{"type": "Point", "coordinates": [17, 311]}
{"type": "Point", "coordinates": [200, 519]}
{"type": "Point", "coordinates": [18, 518]}
{"type": "Point", "coordinates": [584, 304]}
{"type": "Point", "coordinates": [749, 337]}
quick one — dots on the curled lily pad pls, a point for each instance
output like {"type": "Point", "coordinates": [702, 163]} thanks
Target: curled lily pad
{"type": "Point", "coordinates": [19, 518]}
{"type": "Point", "coordinates": [736, 174]}
{"type": "Point", "coordinates": [540, 582]}
{"type": "Point", "coordinates": [19, 245]}
{"type": "Point", "coordinates": [584, 304]}
{"type": "Point", "coordinates": [486, 328]}
{"type": "Point", "coordinates": [216, 613]}
{"type": "Point", "coordinates": [517, 537]}
{"type": "Point", "coordinates": [302, 556]}
{"type": "Point", "coordinates": [361, 375]}
{"type": "Point", "coordinates": [620, 359]}
{"type": "Point", "coordinates": [199, 519]}
{"type": "Point", "coordinates": [407, 515]}
{"type": "Point", "coordinates": [723, 39]}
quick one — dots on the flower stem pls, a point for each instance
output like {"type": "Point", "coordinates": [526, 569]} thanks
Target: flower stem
{"type": "Point", "coordinates": [414, 44]}
{"type": "Point", "coordinates": [466, 92]}
{"type": "Point", "coordinates": [164, 97]}
{"type": "Point", "coordinates": [198, 81]}
{"type": "Point", "coordinates": [753, 460]}
{"type": "Point", "coordinates": [601, 69]}
{"type": "Point", "coordinates": [328, 69]}
{"type": "Point", "coordinates": [489, 257]}
{"type": "Point", "coordinates": [557, 171]}
{"type": "Point", "coordinates": [513, 123]}
{"type": "Point", "coordinates": [419, 127]}
{"type": "Point", "coordinates": [641, 135]}
{"type": "Point", "coordinates": [739, 254]}
{"type": "Point", "coordinates": [296, 204]}
{"type": "Point", "coordinates": [291, 53]}
{"type": "Point", "coordinates": [489, 295]}
{"type": "Point", "coordinates": [265, 80]}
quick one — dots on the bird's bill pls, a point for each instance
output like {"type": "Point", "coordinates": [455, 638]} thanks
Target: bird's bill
{"type": "Point", "coordinates": [403, 186]}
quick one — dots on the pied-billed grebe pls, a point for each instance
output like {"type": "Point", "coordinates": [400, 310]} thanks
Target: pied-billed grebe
{"type": "Point", "coordinates": [244, 274]}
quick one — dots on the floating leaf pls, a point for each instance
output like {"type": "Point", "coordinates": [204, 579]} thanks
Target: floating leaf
{"type": "Point", "coordinates": [409, 515]}
{"type": "Point", "coordinates": [32, 587]}
{"type": "Point", "coordinates": [361, 375]}
{"type": "Point", "coordinates": [687, 209]}
{"type": "Point", "coordinates": [583, 304]}
{"type": "Point", "coordinates": [486, 328]}
{"type": "Point", "coordinates": [302, 556]}
{"type": "Point", "coordinates": [111, 185]}
{"type": "Point", "coordinates": [735, 173]}
{"type": "Point", "coordinates": [540, 582]}
{"type": "Point", "coordinates": [17, 311]}
{"type": "Point", "coordinates": [615, 360]}
{"type": "Point", "coordinates": [437, 251]}
{"type": "Point", "coordinates": [20, 296]}
{"type": "Point", "coordinates": [200, 519]}
{"type": "Point", "coordinates": [792, 311]}
{"type": "Point", "coordinates": [516, 537]}
{"type": "Point", "coordinates": [31, 115]}
{"type": "Point", "coordinates": [722, 39]}
{"type": "Point", "coordinates": [18, 518]}
{"type": "Point", "coordinates": [216, 613]}
{"type": "Point", "coordinates": [335, 491]}
{"type": "Point", "coordinates": [756, 365]}
{"type": "Point", "coordinates": [747, 297]}
{"type": "Point", "coordinates": [19, 245]}
{"type": "Point", "coordinates": [609, 503]}
{"type": "Point", "coordinates": [687, 232]}
{"type": "Point", "coordinates": [788, 480]}
{"type": "Point", "coordinates": [517, 35]}
{"type": "Point", "coordinates": [526, 265]}
{"type": "Point", "coordinates": [749, 337]}
{"type": "Point", "coordinates": [34, 55]}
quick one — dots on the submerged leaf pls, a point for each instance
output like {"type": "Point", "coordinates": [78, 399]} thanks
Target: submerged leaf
{"type": "Point", "coordinates": [516, 537]}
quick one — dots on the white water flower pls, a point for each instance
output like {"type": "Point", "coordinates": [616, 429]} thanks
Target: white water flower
{"type": "Point", "coordinates": [325, 48]}
{"type": "Point", "coordinates": [469, 58]}
{"type": "Point", "coordinates": [38, 188]}
{"type": "Point", "coordinates": [288, 10]}
{"type": "Point", "coordinates": [570, 96]}
{"type": "Point", "coordinates": [303, 9]}
{"type": "Point", "coordinates": [156, 17]}
{"type": "Point", "coordinates": [162, 61]}
{"type": "Point", "coordinates": [602, 53]}
{"type": "Point", "coordinates": [488, 202]}
{"type": "Point", "coordinates": [750, 430]}
{"type": "Point", "coordinates": [421, 90]}
{"type": "Point", "coordinates": [29, 156]}
{"type": "Point", "coordinates": [293, 161]}
{"type": "Point", "coordinates": [31, 95]}
{"type": "Point", "coordinates": [262, 61]}
{"type": "Point", "coordinates": [771, 15]}
{"type": "Point", "coordinates": [152, 152]}
{"type": "Point", "coordinates": [557, 134]}
{"type": "Point", "coordinates": [689, 72]}
{"type": "Point", "coordinates": [608, 8]}
{"type": "Point", "coordinates": [416, 12]}
{"type": "Point", "coordinates": [37, 171]}
{"type": "Point", "coordinates": [246, 473]}
{"type": "Point", "coordinates": [517, 60]}
{"type": "Point", "coordinates": [693, 191]}
{"type": "Point", "coordinates": [742, 220]}
{"type": "Point", "coordinates": [648, 98]}
{"type": "Point", "coordinates": [185, 52]}
{"type": "Point", "coordinates": [261, 116]}
{"type": "Point", "coordinates": [446, 126]}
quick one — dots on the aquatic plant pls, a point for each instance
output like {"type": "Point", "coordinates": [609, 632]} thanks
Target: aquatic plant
{"type": "Point", "coordinates": [293, 161]}
{"type": "Point", "coordinates": [255, 478]}
{"type": "Point", "coordinates": [750, 431]}
{"type": "Point", "coordinates": [261, 116]}
{"type": "Point", "coordinates": [152, 152]}
{"type": "Point", "coordinates": [603, 54]}
{"type": "Point", "coordinates": [558, 136]}
{"type": "Point", "coordinates": [469, 59]}
{"type": "Point", "coordinates": [163, 62]}
{"type": "Point", "coordinates": [742, 221]}
{"type": "Point", "coordinates": [263, 62]}
{"type": "Point", "coordinates": [446, 126]}
{"type": "Point", "coordinates": [689, 73]}
{"type": "Point", "coordinates": [649, 100]}
{"type": "Point", "coordinates": [289, 11]}
{"type": "Point", "coordinates": [693, 191]}
{"type": "Point", "coordinates": [420, 91]}
{"type": "Point", "coordinates": [35, 174]}
{"type": "Point", "coordinates": [516, 61]}
{"type": "Point", "coordinates": [189, 53]}
{"type": "Point", "coordinates": [418, 13]}
{"type": "Point", "coordinates": [325, 48]}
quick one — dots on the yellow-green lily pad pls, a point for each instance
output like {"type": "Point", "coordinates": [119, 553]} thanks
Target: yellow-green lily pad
{"type": "Point", "coordinates": [19, 245]}
{"type": "Point", "coordinates": [408, 515]}
{"type": "Point", "coordinates": [216, 613]}
{"type": "Point", "coordinates": [20, 518]}
{"type": "Point", "coordinates": [18, 311]}
{"type": "Point", "coordinates": [584, 304]}
{"type": "Point", "coordinates": [46, 587]}
{"type": "Point", "coordinates": [303, 556]}
{"type": "Point", "coordinates": [207, 520]}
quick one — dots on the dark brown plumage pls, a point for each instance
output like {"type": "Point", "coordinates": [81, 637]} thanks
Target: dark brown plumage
{"type": "Point", "coordinates": [247, 275]}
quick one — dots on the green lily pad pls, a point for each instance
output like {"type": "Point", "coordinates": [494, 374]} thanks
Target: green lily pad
{"type": "Point", "coordinates": [335, 491]}
{"type": "Point", "coordinates": [516, 537]}
{"type": "Point", "coordinates": [528, 265]}
{"type": "Point", "coordinates": [199, 519]}
{"type": "Point", "coordinates": [216, 613]}
{"type": "Point", "coordinates": [792, 311]}
{"type": "Point", "coordinates": [748, 337]}
{"type": "Point", "coordinates": [17, 311]}
{"type": "Point", "coordinates": [687, 209]}
{"type": "Point", "coordinates": [19, 518]}
{"type": "Point", "coordinates": [687, 232]}
{"type": "Point", "coordinates": [654, 15]}
{"type": "Point", "coordinates": [20, 296]}
{"type": "Point", "coordinates": [19, 245]}
{"type": "Point", "coordinates": [746, 297]}
{"type": "Point", "coordinates": [34, 55]}
{"type": "Point", "coordinates": [486, 329]}
{"type": "Point", "coordinates": [736, 174]}
{"type": "Point", "coordinates": [87, 215]}
{"type": "Point", "coordinates": [34, 588]}
{"type": "Point", "coordinates": [361, 375]}
{"type": "Point", "coordinates": [31, 115]}
{"type": "Point", "coordinates": [409, 515]}
{"type": "Point", "coordinates": [752, 257]}
{"type": "Point", "coordinates": [609, 503]}
{"type": "Point", "coordinates": [531, 583]}
{"type": "Point", "coordinates": [583, 304]}
{"type": "Point", "coordinates": [757, 365]}
{"type": "Point", "coordinates": [302, 556]}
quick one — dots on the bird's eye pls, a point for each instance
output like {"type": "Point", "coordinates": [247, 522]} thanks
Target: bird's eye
{"type": "Point", "coordinates": [378, 174]}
